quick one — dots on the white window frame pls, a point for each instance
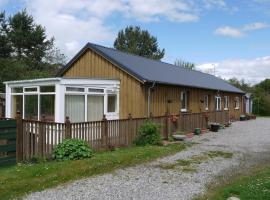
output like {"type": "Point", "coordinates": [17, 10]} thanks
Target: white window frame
{"type": "Point", "coordinates": [37, 92]}
{"type": "Point", "coordinates": [105, 93]}
{"type": "Point", "coordinates": [237, 103]}
{"type": "Point", "coordinates": [206, 102]}
{"type": "Point", "coordinates": [181, 99]}
{"type": "Point", "coordinates": [226, 103]}
{"type": "Point", "coordinates": [217, 103]}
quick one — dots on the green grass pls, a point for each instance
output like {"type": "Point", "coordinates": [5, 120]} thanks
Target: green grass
{"type": "Point", "coordinates": [20, 180]}
{"type": "Point", "coordinates": [214, 154]}
{"type": "Point", "coordinates": [254, 185]}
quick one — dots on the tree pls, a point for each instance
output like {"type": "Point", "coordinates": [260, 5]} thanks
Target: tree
{"type": "Point", "coordinates": [28, 40]}
{"type": "Point", "coordinates": [140, 42]}
{"type": "Point", "coordinates": [5, 46]}
{"type": "Point", "coordinates": [182, 63]}
{"type": "Point", "coordinates": [241, 84]}
{"type": "Point", "coordinates": [26, 50]}
{"type": "Point", "coordinates": [261, 103]}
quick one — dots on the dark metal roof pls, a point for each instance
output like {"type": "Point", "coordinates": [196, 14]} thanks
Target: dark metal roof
{"type": "Point", "coordinates": [147, 70]}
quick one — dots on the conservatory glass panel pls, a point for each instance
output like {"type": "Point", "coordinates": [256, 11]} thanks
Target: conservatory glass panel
{"type": "Point", "coordinates": [31, 107]}
{"type": "Point", "coordinates": [75, 108]}
{"type": "Point", "coordinates": [95, 107]}
{"type": "Point", "coordinates": [47, 107]}
{"type": "Point", "coordinates": [17, 105]}
{"type": "Point", "coordinates": [112, 102]}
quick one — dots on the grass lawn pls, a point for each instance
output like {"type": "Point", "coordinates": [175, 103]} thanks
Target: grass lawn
{"type": "Point", "coordinates": [19, 180]}
{"type": "Point", "coordinates": [253, 186]}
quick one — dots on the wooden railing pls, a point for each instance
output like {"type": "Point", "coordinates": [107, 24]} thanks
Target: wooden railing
{"type": "Point", "coordinates": [40, 137]}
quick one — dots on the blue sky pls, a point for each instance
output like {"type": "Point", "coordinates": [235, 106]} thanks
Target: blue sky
{"type": "Point", "coordinates": [232, 36]}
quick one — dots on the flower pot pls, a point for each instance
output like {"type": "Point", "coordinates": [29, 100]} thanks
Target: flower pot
{"type": "Point", "coordinates": [243, 118]}
{"type": "Point", "coordinates": [214, 127]}
{"type": "Point", "coordinates": [197, 131]}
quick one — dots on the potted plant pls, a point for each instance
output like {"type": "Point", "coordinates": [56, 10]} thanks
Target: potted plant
{"type": "Point", "coordinates": [214, 127]}
{"type": "Point", "coordinates": [243, 117]}
{"type": "Point", "coordinates": [197, 131]}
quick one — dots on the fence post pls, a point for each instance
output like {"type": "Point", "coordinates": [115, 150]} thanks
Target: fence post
{"type": "Point", "coordinates": [41, 137]}
{"type": "Point", "coordinates": [68, 128]}
{"type": "Point", "coordinates": [104, 133]}
{"type": "Point", "coordinates": [167, 125]}
{"type": "Point", "coordinates": [19, 137]}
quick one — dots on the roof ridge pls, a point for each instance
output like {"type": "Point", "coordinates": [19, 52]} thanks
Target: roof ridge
{"type": "Point", "coordinates": [159, 61]}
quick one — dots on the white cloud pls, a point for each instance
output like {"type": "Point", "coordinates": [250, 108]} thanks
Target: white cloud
{"type": "Point", "coordinates": [252, 70]}
{"type": "Point", "coordinates": [239, 32]}
{"type": "Point", "coordinates": [229, 31]}
{"type": "Point", "coordinates": [73, 23]}
{"type": "Point", "coordinates": [214, 3]}
{"type": "Point", "coordinates": [255, 26]}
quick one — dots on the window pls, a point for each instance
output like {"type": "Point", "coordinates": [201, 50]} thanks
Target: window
{"type": "Point", "coordinates": [74, 107]}
{"type": "Point", "coordinates": [47, 107]}
{"type": "Point", "coordinates": [226, 103]}
{"type": "Point", "coordinates": [236, 103]}
{"type": "Point", "coordinates": [31, 107]}
{"type": "Point", "coordinates": [47, 88]}
{"type": "Point", "coordinates": [17, 90]}
{"type": "Point", "coordinates": [30, 89]}
{"type": "Point", "coordinates": [184, 101]}
{"type": "Point", "coordinates": [17, 105]}
{"type": "Point", "coordinates": [217, 103]}
{"type": "Point", "coordinates": [112, 99]}
{"type": "Point", "coordinates": [93, 90]}
{"type": "Point", "coordinates": [74, 89]}
{"type": "Point", "coordinates": [95, 107]}
{"type": "Point", "coordinates": [205, 101]}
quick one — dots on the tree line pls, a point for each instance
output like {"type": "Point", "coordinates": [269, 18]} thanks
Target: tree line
{"type": "Point", "coordinates": [25, 50]}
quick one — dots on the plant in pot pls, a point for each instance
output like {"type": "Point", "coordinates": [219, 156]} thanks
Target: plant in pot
{"type": "Point", "coordinates": [214, 126]}
{"type": "Point", "coordinates": [197, 131]}
{"type": "Point", "coordinates": [243, 118]}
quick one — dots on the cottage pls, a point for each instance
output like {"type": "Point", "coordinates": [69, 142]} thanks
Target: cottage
{"type": "Point", "coordinates": [101, 80]}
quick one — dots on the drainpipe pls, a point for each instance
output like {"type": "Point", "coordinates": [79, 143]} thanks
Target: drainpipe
{"type": "Point", "coordinates": [149, 98]}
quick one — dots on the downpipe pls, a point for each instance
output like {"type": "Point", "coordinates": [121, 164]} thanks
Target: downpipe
{"type": "Point", "coordinates": [149, 98]}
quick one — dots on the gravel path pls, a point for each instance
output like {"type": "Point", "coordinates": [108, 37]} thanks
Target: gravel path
{"type": "Point", "coordinates": [165, 178]}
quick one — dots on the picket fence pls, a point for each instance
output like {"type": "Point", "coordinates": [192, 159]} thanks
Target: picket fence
{"type": "Point", "coordinates": [38, 138]}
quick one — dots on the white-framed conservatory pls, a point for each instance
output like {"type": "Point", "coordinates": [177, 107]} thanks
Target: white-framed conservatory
{"type": "Point", "coordinates": [52, 99]}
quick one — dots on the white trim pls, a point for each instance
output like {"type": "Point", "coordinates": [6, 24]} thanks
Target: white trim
{"type": "Point", "coordinates": [107, 85]}
{"type": "Point", "coordinates": [181, 99]}
{"type": "Point", "coordinates": [217, 103]}
{"type": "Point", "coordinates": [226, 103]}
{"type": "Point", "coordinates": [206, 97]}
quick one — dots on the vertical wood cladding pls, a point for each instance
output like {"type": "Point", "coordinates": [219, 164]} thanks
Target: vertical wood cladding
{"type": "Point", "coordinates": [134, 95]}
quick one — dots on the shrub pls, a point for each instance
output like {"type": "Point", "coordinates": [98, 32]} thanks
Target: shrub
{"type": "Point", "coordinates": [149, 134]}
{"type": "Point", "coordinates": [72, 149]}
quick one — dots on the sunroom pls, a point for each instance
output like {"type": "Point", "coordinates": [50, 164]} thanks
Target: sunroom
{"type": "Point", "coordinates": [52, 99]}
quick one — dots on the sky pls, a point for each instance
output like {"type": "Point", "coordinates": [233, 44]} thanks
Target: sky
{"type": "Point", "coordinates": [229, 38]}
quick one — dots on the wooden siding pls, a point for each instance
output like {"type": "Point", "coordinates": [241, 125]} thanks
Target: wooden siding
{"type": "Point", "coordinates": [92, 65]}
{"type": "Point", "coordinates": [134, 95]}
{"type": "Point", "coordinates": [165, 98]}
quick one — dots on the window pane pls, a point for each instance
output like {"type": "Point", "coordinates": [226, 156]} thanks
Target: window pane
{"type": "Point", "coordinates": [95, 107]}
{"type": "Point", "coordinates": [95, 90]}
{"type": "Point", "coordinates": [31, 107]}
{"type": "Point", "coordinates": [111, 103]}
{"type": "Point", "coordinates": [17, 90]}
{"type": "Point", "coordinates": [33, 89]}
{"type": "Point", "coordinates": [75, 108]}
{"type": "Point", "coordinates": [47, 88]}
{"type": "Point", "coordinates": [183, 100]}
{"type": "Point", "coordinates": [74, 89]}
{"type": "Point", "coordinates": [47, 107]}
{"type": "Point", "coordinates": [17, 105]}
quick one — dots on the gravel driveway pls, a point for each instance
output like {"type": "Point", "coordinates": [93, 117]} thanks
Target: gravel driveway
{"type": "Point", "coordinates": [181, 176]}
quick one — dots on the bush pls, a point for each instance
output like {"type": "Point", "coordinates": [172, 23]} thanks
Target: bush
{"type": "Point", "coordinates": [149, 134]}
{"type": "Point", "coordinates": [72, 149]}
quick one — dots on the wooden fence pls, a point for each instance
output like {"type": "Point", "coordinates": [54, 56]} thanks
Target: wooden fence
{"type": "Point", "coordinates": [38, 138]}
{"type": "Point", "coordinates": [7, 142]}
